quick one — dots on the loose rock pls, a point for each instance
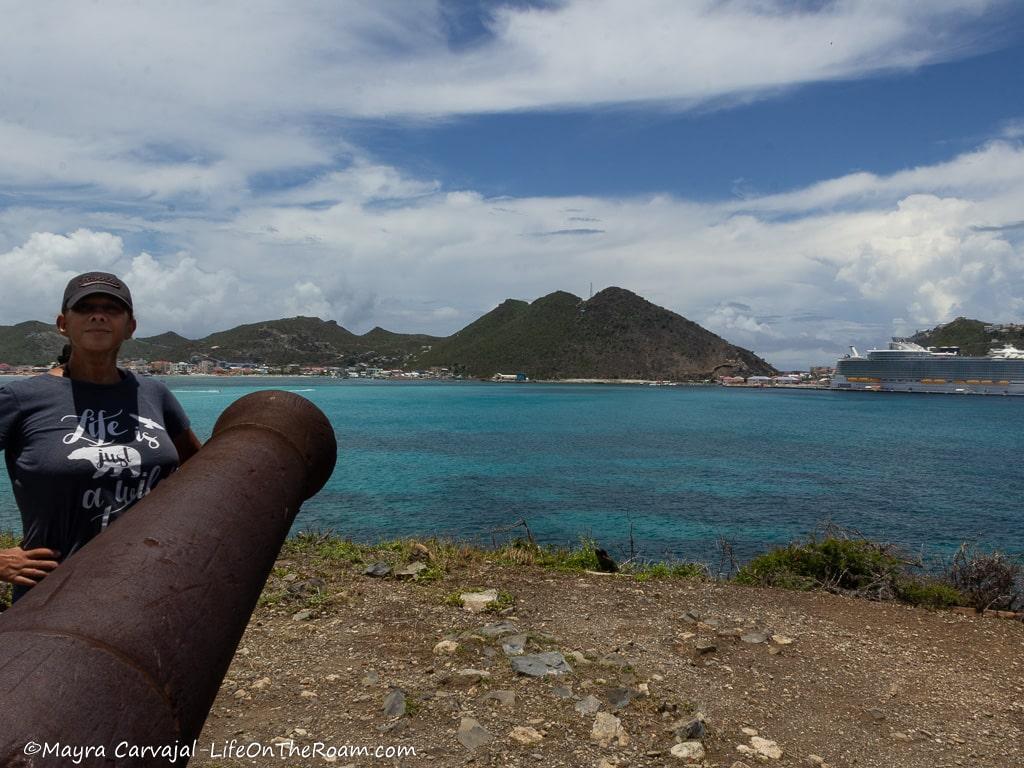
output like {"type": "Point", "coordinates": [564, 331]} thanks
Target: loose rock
{"type": "Point", "coordinates": [514, 645]}
{"type": "Point", "coordinates": [446, 647]}
{"type": "Point", "coordinates": [588, 706]}
{"type": "Point", "coordinates": [504, 698]}
{"type": "Point", "coordinates": [691, 731]}
{"type": "Point", "coordinates": [394, 703]}
{"type": "Point", "coordinates": [476, 602]}
{"type": "Point", "coordinates": [526, 735]}
{"type": "Point", "coordinates": [410, 571]}
{"type": "Point", "coordinates": [608, 729]}
{"type": "Point", "coordinates": [691, 751]}
{"type": "Point", "coordinates": [500, 629]}
{"type": "Point", "coordinates": [540, 664]}
{"type": "Point", "coordinates": [619, 698]}
{"type": "Point", "coordinates": [377, 570]}
{"type": "Point", "coordinates": [756, 637]}
{"type": "Point", "coordinates": [472, 735]}
{"type": "Point", "coordinates": [766, 748]}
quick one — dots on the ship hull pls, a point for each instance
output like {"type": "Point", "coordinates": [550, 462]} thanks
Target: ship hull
{"type": "Point", "coordinates": [916, 373]}
{"type": "Point", "coordinates": [857, 384]}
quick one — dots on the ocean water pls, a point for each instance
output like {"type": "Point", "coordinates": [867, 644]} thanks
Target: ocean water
{"type": "Point", "coordinates": [676, 468]}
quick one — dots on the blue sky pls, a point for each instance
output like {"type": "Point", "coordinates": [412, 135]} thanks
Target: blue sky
{"type": "Point", "coordinates": [796, 176]}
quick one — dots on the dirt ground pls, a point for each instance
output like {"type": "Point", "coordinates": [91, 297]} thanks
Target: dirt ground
{"type": "Point", "coordinates": [826, 680]}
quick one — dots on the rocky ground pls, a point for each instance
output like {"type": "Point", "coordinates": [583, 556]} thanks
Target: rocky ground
{"type": "Point", "coordinates": [581, 669]}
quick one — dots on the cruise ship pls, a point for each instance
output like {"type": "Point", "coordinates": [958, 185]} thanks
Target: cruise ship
{"type": "Point", "coordinates": [908, 367]}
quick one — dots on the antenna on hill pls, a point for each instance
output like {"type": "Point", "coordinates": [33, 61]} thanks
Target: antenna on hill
{"type": "Point", "coordinates": [591, 289]}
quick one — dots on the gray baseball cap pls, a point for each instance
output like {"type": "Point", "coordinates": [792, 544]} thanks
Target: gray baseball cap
{"type": "Point", "coordinates": [96, 282]}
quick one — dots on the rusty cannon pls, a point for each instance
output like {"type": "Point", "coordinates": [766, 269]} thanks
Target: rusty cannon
{"type": "Point", "coordinates": [122, 649]}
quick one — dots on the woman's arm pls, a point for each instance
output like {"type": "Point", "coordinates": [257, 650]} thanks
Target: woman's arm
{"type": "Point", "coordinates": [188, 445]}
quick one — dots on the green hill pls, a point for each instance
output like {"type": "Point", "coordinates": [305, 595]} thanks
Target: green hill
{"type": "Point", "coordinates": [614, 335]}
{"type": "Point", "coordinates": [30, 343]}
{"type": "Point", "coordinates": [970, 336]}
{"type": "Point", "coordinates": [302, 340]}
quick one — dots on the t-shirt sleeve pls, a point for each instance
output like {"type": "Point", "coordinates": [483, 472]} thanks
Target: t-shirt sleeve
{"type": "Point", "coordinates": [10, 412]}
{"type": "Point", "coordinates": [175, 419]}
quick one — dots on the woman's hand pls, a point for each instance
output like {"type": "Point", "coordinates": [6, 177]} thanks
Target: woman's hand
{"type": "Point", "coordinates": [26, 567]}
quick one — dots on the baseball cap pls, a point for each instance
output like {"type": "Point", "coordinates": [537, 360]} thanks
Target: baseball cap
{"type": "Point", "coordinates": [96, 282]}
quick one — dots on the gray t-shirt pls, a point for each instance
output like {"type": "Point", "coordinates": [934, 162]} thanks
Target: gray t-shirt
{"type": "Point", "coordinates": [80, 454]}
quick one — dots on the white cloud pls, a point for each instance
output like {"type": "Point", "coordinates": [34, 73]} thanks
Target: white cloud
{"type": "Point", "coordinates": [874, 263]}
{"type": "Point", "coordinates": [132, 133]}
{"type": "Point", "coordinates": [182, 103]}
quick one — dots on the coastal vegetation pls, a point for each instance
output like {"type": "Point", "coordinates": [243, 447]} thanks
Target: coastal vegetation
{"type": "Point", "coordinates": [835, 561]}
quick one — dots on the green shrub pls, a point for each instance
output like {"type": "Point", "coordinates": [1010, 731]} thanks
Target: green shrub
{"type": "Point", "coordinates": [668, 571]}
{"type": "Point", "coordinates": [831, 563]}
{"type": "Point", "coordinates": [928, 593]}
{"type": "Point", "coordinates": [566, 559]}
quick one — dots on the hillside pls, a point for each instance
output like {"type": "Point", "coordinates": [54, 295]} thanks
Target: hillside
{"type": "Point", "coordinates": [29, 343]}
{"type": "Point", "coordinates": [303, 340]}
{"type": "Point", "coordinates": [970, 336]}
{"type": "Point", "coordinates": [614, 335]}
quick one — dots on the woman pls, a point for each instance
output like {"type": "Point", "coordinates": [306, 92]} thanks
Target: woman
{"type": "Point", "coordinates": [87, 440]}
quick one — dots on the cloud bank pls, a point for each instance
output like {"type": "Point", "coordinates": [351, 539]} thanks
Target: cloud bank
{"type": "Point", "coordinates": [195, 149]}
{"type": "Point", "coordinates": [796, 277]}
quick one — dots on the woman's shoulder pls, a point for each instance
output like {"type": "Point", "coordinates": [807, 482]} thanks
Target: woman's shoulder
{"type": "Point", "coordinates": [28, 389]}
{"type": "Point", "coordinates": [151, 387]}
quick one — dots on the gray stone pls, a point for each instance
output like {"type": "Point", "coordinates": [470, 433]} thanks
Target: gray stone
{"type": "Point", "coordinates": [514, 645]}
{"type": "Point", "coordinates": [472, 735]}
{"type": "Point", "coordinates": [309, 586]}
{"type": "Point", "coordinates": [540, 664]}
{"type": "Point", "coordinates": [588, 706]}
{"type": "Point", "coordinates": [614, 660]}
{"type": "Point", "coordinates": [504, 698]}
{"type": "Point", "coordinates": [303, 615]}
{"type": "Point", "coordinates": [411, 571]}
{"type": "Point", "coordinates": [371, 678]}
{"type": "Point", "coordinates": [378, 570]}
{"type": "Point", "coordinates": [756, 637]}
{"type": "Point", "coordinates": [691, 731]}
{"type": "Point", "coordinates": [500, 629]}
{"type": "Point", "coordinates": [561, 692]}
{"type": "Point", "coordinates": [618, 698]}
{"type": "Point", "coordinates": [471, 676]}
{"type": "Point", "coordinates": [704, 648]}
{"type": "Point", "coordinates": [394, 703]}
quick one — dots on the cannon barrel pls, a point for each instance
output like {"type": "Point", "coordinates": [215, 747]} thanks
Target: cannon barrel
{"type": "Point", "coordinates": [128, 641]}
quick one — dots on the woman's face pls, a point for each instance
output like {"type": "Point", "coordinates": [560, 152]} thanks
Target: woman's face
{"type": "Point", "coordinates": [97, 323]}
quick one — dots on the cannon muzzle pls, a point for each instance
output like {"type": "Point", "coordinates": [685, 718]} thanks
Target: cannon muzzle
{"type": "Point", "coordinates": [126, 644]}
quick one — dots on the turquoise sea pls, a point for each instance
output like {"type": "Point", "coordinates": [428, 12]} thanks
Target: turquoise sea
{"type": "Point", "coordinates": [679, 466]}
